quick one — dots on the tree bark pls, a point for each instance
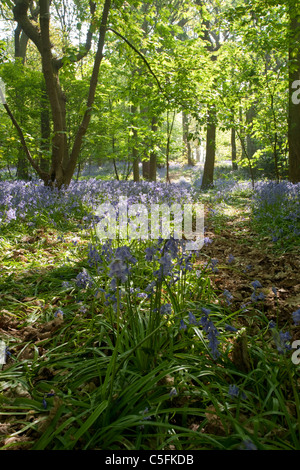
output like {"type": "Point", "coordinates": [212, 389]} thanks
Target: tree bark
{"type": "Point", "coordinates": [146, 169]}
{"type": "Point", "coordinates": [63, 162]}
{"type": "Point", "coordinates": [251, 143]}
{"type": "Point", "coordinates": [153, 155]}
{"type": "Point", "coordinates": [21, 42]}
{"type": "Point", "coordinates": [294, 101]}
{"type": "Point", "coordinates": [134, 151]}
{"type": "Point", "coordinates": [91, 96]}
{"type": "Point", "coordinates": [209, 165]}
{"type": "Point", "coordinates": [187, 146]}
{"type": "Point", "coordinates": [45, 129]}
{"type": "Point", "coordinates": [233, 150]}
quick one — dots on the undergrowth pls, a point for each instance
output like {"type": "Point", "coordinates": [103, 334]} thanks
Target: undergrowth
{"type": "Point", "coordinates": [126, 344]}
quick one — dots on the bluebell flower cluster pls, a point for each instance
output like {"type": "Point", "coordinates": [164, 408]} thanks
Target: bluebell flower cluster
{"type": "Point", "coordinates": [212, 264]}
{"type": "Point", "coordinates": [230, 328]}
{"type": "Point", "coordinates": [277, 207]}
{"type": "Point", "coordinates": [212, 333]}
{"type": "Point", "coordinates": [84, 279]}
{"type": "Point", "coordinates": [27, 200]}
{"type": "Point", "coordinates": [228, 296]}
{"type": "Point", "coordinates": [296, 316]}
{"type": "Point", "coordinates": [256, 296]}
{"type": "Point", "coordinates": [281, 339]}
{"type": "Point", "coordinates": [230, 259]}
{"type": "Point", "coordinates": [94, 258]}
{"type": "Point", "coordinates": [118, 270]}
{"type": "Point", "coordinates": [234, 392]}
{"type": "Point", "coordinates": [166, 309]}
{"type": "Point", "coordinates": [248, 445]}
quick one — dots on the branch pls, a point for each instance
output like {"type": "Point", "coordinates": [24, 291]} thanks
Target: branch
{"type": "Point", "coordinates": [41, 173]}
{"type": "Point", "coordinates": [58, 63]}
{"type": "Point", "coordinates": [141, 56]}
{"type": "Point", "coordinates": [20, 16]}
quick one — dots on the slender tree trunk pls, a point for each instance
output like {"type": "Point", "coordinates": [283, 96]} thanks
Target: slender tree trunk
{"type": "Point", "coordinates": [63, 161]}
{"type": "Point", "coordinates": [92, 90]}
{"type": "Point", "coordinates": [134, 151]}
{"type": "Point", "coordinates": [169, 134]}
{"type": "Point", "coordinates": [233, 150]}
{"type": "Point", "coordinates": [185, 134]}
{"type": "Point", "coordinates": [136, 168]}
{"type": "Point", "coordinates": [294, 100]}
{"type": "Point", "coordinates": [145, 156]}
{"type": "Point", "coordinates": [146, 169]}
{"type": "Point", "coordinates": [242, 133]}
{"type": "Point", "coordinates": [209, 165]}
{"type": "Point", "coordinates": [45, 129]}
{"type": "Point", "coordinates": [251, 144]}
{"type": "Point", "coordinates": [21, 41]}
{"type": "Point", "coordinates": [153, 155]}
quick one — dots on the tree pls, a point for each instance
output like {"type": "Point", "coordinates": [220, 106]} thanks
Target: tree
{"type": "Point", "coordinates": [63, 158]}
{"type": "Point", "coordinates": [212, 37]}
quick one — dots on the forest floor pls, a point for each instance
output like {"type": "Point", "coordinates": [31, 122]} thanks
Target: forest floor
{"type": "Point", "coordinates": [32, 273]}
{"type": "Point", "coordinates": [254, 259]}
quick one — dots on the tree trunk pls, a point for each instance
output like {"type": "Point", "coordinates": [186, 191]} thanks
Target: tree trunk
{"type": "Point", "coordinates": [209, 165]}
{"type": "Point", "coordinates": [153, 155]}
{"type": "Point", "coordinates": [294, 101]}
{"type": "Point", "coordinates": [63, 162]}
{"type": "Point", "coordinates": [185, 134]}
{"type": "Point", "coordinates": [242, 133]}
{"type": "Point", "coordinates": [134, 151]}
{"type": "Point", "coordinates": [45, 130]}
{"type": "Point", "coordinates": [146, 169]}
{"type": "Point", "coordinates": [21, 41]}
{"type": "Point", "coordinates": [233, 150]}
{"type": "Point", "coordinates": [136, 168]}
{"type": "Point", "coordinates": [251, 143]}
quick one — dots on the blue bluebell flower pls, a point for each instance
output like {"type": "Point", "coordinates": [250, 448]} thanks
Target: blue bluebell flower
{"type": "Point", "coordinates": [296, 316]}
{"type": "Point", "coordinates": [59, 313]}
{"type": "Point", "coordinates": [118, 270]}
{"type": "Point", "coordinates": [230, 259]}
{"type": "Point", "coordinates": [84, 280]}
{"type": "Point", "coordinates": [166, 309]}
{"type": "Point", "coordinates": [256, 284]}
{"type": "Point", "coordinates": [248, 445]}
{"type": "Point", "coordinates": [274, 290]}
{"type": "Point", "coordinates": [272, 324]}
{"type": "Point", "coordinates": [233, 391]}
{"type": "Point", "coordinates": [205, 311]}
{"type": "Point", "coordinates": [173, 392]}
{"type": "Point", "coordinates": [230, 328]}
{"type": "Point", "coordinates": [150, 252]}
{"type": "Point", "coordinates": [228, 296]}
{"type": "Point", "coordinates": [212, 334]}
{"type": "Point", "coordinates": [192, 319]}
{"type": "Point", "coordinates": [166, 264]}
{"type": "Point", "coordinates": [281, 339]}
